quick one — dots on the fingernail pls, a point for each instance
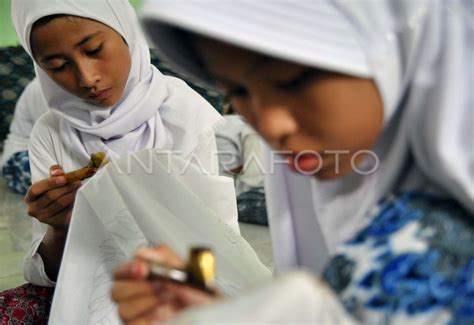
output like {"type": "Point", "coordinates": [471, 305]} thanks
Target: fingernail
{"type": "Point", "coordinates": [149, 254]}
{"type": "Point", "coordinates": [136, 270]}
{"type": "Point", "coordinates": [61, 181]}
{"type": "Point", "coordinates": [55, 172]}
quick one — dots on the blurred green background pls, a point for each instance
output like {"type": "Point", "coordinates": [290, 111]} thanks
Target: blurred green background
{"type": "Point", "coordinates": [7, 32]}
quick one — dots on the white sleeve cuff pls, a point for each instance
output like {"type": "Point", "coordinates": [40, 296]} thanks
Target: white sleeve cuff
{"type": "Point", "coordinates": [33, 268]}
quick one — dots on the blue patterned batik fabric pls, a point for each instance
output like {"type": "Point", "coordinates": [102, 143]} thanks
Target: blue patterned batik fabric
{"type": "Point", "coordinates": [16, 172]}
{"type": "Point", "coordinates": [251, 207]}
{"type": "Point", "coordinates": [414, 263]}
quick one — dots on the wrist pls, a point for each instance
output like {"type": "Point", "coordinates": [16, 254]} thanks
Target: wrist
{"type": "Point", "coordinates": [59, 233]}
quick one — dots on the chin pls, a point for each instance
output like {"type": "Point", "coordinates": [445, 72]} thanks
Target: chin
{"type": "Point", "coordinates": [327, 174]}
{"type": "Point", "coordinates": [111, 101]}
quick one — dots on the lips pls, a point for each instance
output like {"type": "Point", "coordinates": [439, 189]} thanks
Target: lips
{"type": "Point", "coordinates": [308, 163]}
{"type": "Point", "coordinates": [100, 95]}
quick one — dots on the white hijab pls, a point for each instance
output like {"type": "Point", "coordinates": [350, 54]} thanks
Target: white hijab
{"type": "Point", "coordinates": [418, 54]}
{"type": "Point", "coordinates": [155, 111]}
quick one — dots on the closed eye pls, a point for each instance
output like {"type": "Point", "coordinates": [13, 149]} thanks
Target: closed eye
{"type": "Point", "coordinates": [236, 93]}
{"type": "Point", "coordinates": [299, 82]}
{"type": "Point", "coordinates": [95, 51]}
{"type": "Point", "coordinates": [58, 69]}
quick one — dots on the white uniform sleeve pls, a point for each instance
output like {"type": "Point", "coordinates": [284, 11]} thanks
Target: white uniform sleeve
{"type": "Point", "coordinates": [229, 144]}
{"type": "Point", "coordinates": [295, 298]}
{"type": "Point", "coordinates": [41, 156]}
{"type": "Point", "coordinates": [205, 154]}
{"type": "Point", "coordinates": [252, 172]}
{"type": "Point", "coordinates": [28, 110]}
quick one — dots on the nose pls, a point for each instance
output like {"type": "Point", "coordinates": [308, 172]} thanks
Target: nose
{"type": "Point", "coordinates": [87, 74]}
{"type": "Point", "coordinates": [274, 120]}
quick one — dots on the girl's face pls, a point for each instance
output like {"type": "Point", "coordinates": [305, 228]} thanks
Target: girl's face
{"type": "Point", "coordinates": [86, 58]}
{"type": "Point", "coordinates": [324, 119]}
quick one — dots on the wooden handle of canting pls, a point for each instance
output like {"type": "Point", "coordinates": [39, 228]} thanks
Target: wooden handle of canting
{"type": "Point", "coordinates": [80, 174]}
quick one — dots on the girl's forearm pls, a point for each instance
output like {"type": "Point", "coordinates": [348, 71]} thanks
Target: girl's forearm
{"type": "Point", "coordinates": [51, 251]}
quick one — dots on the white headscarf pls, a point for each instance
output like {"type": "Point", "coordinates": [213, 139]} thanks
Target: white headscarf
{"type": "Point", "coordinates": [155, 111]}
{"type": "Point", "coordinates": [418, 54]}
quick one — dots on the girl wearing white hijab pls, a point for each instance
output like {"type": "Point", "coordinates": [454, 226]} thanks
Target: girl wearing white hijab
{"type": "Point", "coordinates": [102, 94]}
{"type": "Point", "coordinates": [342, 77]}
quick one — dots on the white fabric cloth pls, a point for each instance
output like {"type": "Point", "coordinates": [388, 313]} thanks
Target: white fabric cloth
{"type": "Point", "coordinates": [151, 110]}
{"type": "Point", "coordinates": [239, 145]}
{"type": "Point", "coordinates": [27, 112]}
{"type": "Point", "coordinates": [47, 148]}
{"type": "Point", "coordinates": [152, 199]}
{"type": "Point", "coordinates": [317, 305]}
{"type": "Point", "coordinates": [418, 54]}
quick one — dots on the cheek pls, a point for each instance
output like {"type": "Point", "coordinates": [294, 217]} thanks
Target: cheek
{"type": "Point", "coordinates": [114, 58]}
{"type": "Point", "coordinates": [341, 113]}
{"type": "Point", "coordinates": [66, 81]}
{"type": "Point", "coordinates": [367, 116]}
{"type": "Point", "coordinates": [126, 65]}
{"type": "Point", "coordinates": [123, 53]}
{"type": "Point", "coordinates": [120, 67]}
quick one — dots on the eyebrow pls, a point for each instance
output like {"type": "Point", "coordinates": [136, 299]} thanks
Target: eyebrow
{"type": "Point", "coordinates": [259, 63]}
{"type": "Point", "coordinates": [216, 78]}
{"type": "Point", "coordinates": [87, 39]}
{"type": "Point", "coordinates": [81, 42]}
